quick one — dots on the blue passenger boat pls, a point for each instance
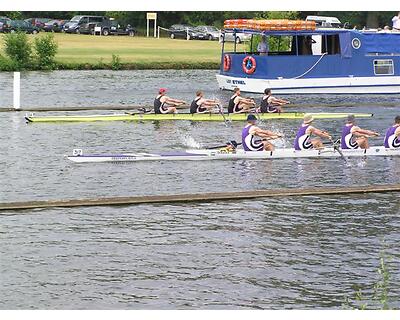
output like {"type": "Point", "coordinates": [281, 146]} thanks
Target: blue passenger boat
{"type": "Point", "coordinates": [310, 60]}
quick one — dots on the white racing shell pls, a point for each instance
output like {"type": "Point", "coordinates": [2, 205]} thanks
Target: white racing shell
{"type": "Point", "coordinates": [207, 154]}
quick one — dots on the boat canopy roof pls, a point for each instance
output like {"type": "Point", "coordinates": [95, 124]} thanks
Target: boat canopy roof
{"type": "Point", "coordinates": [289, 32]}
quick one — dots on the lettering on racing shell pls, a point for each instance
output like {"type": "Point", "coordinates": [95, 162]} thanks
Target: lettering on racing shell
{"type": "Point", "coordinates": [122, 158]}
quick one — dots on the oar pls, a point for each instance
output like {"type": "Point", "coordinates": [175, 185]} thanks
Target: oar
{"type": "Point", "coordinates": [335, 147]}
{"type": "Point", "coordinates": [140, 111]}
{"type": "Point", "coordinates": [235, 144]}
{"type": "Point", "coordinates": [232, 142]}
{"type": "Point", "coordinates": [221, 112]}
{"type": "Point", "coordinates": [257, 114]}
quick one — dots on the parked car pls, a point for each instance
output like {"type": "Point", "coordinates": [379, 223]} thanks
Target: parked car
{"type": "Point", "coordinates": [112, 27]}
{"type": "Point", "coordinates": [73, 26]}
{"type": "Point", "coordinates": [54, 25]}
{"type": "Point", "coordinates": [87, 28]}
{"type": "Point", "coordinates": [4, 22]}
{"type": "Point", "coordinates": [182, 31]}
{"type": "Point", "coordinates": [37, 22]}
{"type": "Point", "coordinates": [20, 25]}
{"type": "Point", "coordinates": [238, 37]}
{"type": "Point", "coordinates": [207, 33]}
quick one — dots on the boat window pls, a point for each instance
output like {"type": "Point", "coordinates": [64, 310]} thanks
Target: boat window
{"type": "Point", "coordinates": [308, 45]}
{"type": "Point", "coordinates": [280, 45]}
{"type": "Point", "coordinates": [383, 67]}
{"type": "Point", "coordinates": [231, 46]}
{"type": "Point", "coordinates": [331, 44]}
{"type": "Point", "coordinates": [277, 45]}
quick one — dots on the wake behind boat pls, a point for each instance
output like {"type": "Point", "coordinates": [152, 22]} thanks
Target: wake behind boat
{"type": "Point", "coordinates": [187, 116]}
{"type": "Point", "coordinates": [223, 154]}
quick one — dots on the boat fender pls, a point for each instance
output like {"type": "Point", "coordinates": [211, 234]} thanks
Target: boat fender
{"type": "Point", "coordinates": [227, 62]}
{"type": "Point", "coordinates": [249, 65]}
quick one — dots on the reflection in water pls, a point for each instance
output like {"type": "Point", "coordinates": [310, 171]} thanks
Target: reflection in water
{"type": "Point", "coordinates": [292, 252]}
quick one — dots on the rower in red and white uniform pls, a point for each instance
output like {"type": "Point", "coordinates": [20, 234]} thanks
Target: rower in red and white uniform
{"type": "Point", "coordinates": [201, 104]}
{"type": "Point", "coordinates": [164, 104]}
{"type": "Point", "coordinates": [238, 104]}
{"type": "Point", "coordinates": [303, 140]}
{"type": "Point", "coordinates": [392, 137]}
{"type": "Point", "coordinates": [251, 134]}
{"type": "Point", "coordinates": [353, 137]}
{"type": "Point", "coordinates": [270, 104]}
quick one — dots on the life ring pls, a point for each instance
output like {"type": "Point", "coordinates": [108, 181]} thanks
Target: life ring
{"type": "Point", "coordinates": [249, 65]}
{"type": "Point", "coordinates": [227, 62]}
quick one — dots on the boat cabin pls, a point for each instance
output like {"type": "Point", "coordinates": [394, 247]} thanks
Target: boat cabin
{"type": "Point", "coordinates": [322, 52]}
{"type": "Point", "coordinates": [311, 53]}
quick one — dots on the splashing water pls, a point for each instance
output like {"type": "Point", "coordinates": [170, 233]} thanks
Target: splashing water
{"type": "Point", "coordinates": [281, 142]}
{"type": "Point", "coordinates": [361, 162]}
{"type": "Point", "coordinates": [190, 142]}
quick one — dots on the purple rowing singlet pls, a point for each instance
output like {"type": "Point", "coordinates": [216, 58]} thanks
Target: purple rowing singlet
{"type": "Point", "coordinates": [391, 141]}
{"type": "Point", "coordinates": [347, 141]}
{"type": "Point", "coordinates": [302, 140]}
{"type": "Point", "coordinates": [248, 140]}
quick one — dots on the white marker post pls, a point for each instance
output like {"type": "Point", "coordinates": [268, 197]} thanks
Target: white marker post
{"type": "Point", "coordinates": [17, 90]}
{"type": "Point", "coordinates": [151, 16]}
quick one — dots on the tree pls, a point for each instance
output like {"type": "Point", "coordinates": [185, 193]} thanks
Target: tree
{"type": "Point", "coordinates": [291, 15]}
{"type": "Point", "coordinates": [361, 19]}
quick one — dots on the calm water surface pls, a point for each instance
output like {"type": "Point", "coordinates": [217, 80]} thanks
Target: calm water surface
{"type": "Point", "coordinates": [297, 252]}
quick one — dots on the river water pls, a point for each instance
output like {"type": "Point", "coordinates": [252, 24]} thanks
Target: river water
{"type": "Point", "coordinates": [290, 252]}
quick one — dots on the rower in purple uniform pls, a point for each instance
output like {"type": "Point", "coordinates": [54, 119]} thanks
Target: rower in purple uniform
{"type": "Point", "coordinates": [392, 137]}
{"type": "Point", "coordinates": [238, 104]}
{"type": "Point", "coordinates": [270, 104]}
{"type": "Point", "coordinates": [201, 104]}
{"type": "Point", "coordinates": [353, 137]}
{"type": "Point", "coordinates": [250, 133]}
{"type": "Point", "coordinates": [303, 139]}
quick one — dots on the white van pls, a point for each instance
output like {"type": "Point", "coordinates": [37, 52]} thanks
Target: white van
{"type": "Point", "coordinates": [325, 22]}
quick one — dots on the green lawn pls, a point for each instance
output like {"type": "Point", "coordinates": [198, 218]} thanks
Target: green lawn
{"type": "Point", "coordinates": [90, 49]}
{"type": "Point", "coordinates": [137, 51]}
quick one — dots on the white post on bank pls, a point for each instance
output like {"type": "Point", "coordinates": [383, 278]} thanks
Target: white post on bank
{"type": "Point", "coordinates": [151, 16]}
{"type": "Point", "coordinates": [17, 90]}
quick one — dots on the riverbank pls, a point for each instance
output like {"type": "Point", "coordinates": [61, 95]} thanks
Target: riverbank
{"type": "Point", "coordinates": [83, 52]}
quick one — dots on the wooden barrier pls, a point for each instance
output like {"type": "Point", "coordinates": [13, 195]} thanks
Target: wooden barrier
{"type": "Point", "coordinates": [199, 197]}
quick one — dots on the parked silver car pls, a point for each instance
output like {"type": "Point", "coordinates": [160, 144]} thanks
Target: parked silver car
{"type": "Point", "coordinates": [237, 37]}
{"type": "Point", "coordinates": [207, 33]}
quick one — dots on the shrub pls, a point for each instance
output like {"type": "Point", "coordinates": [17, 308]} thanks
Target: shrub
{"type": "Point", "coordinates": [116, 62]}
{"type": "Point", "coordinates": [18, 49]}
{"type": "Point", "coordinates": [46, 49]}
{"type": "Point", "coordinates": [6, 64]}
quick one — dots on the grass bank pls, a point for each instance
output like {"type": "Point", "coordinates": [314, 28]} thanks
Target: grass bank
{"type": "Point", "coordinates": [95, 52]}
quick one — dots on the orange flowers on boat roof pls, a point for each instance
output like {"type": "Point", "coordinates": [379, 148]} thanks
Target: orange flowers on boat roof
{"type": "Point", "coordinates": [269, 25]}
